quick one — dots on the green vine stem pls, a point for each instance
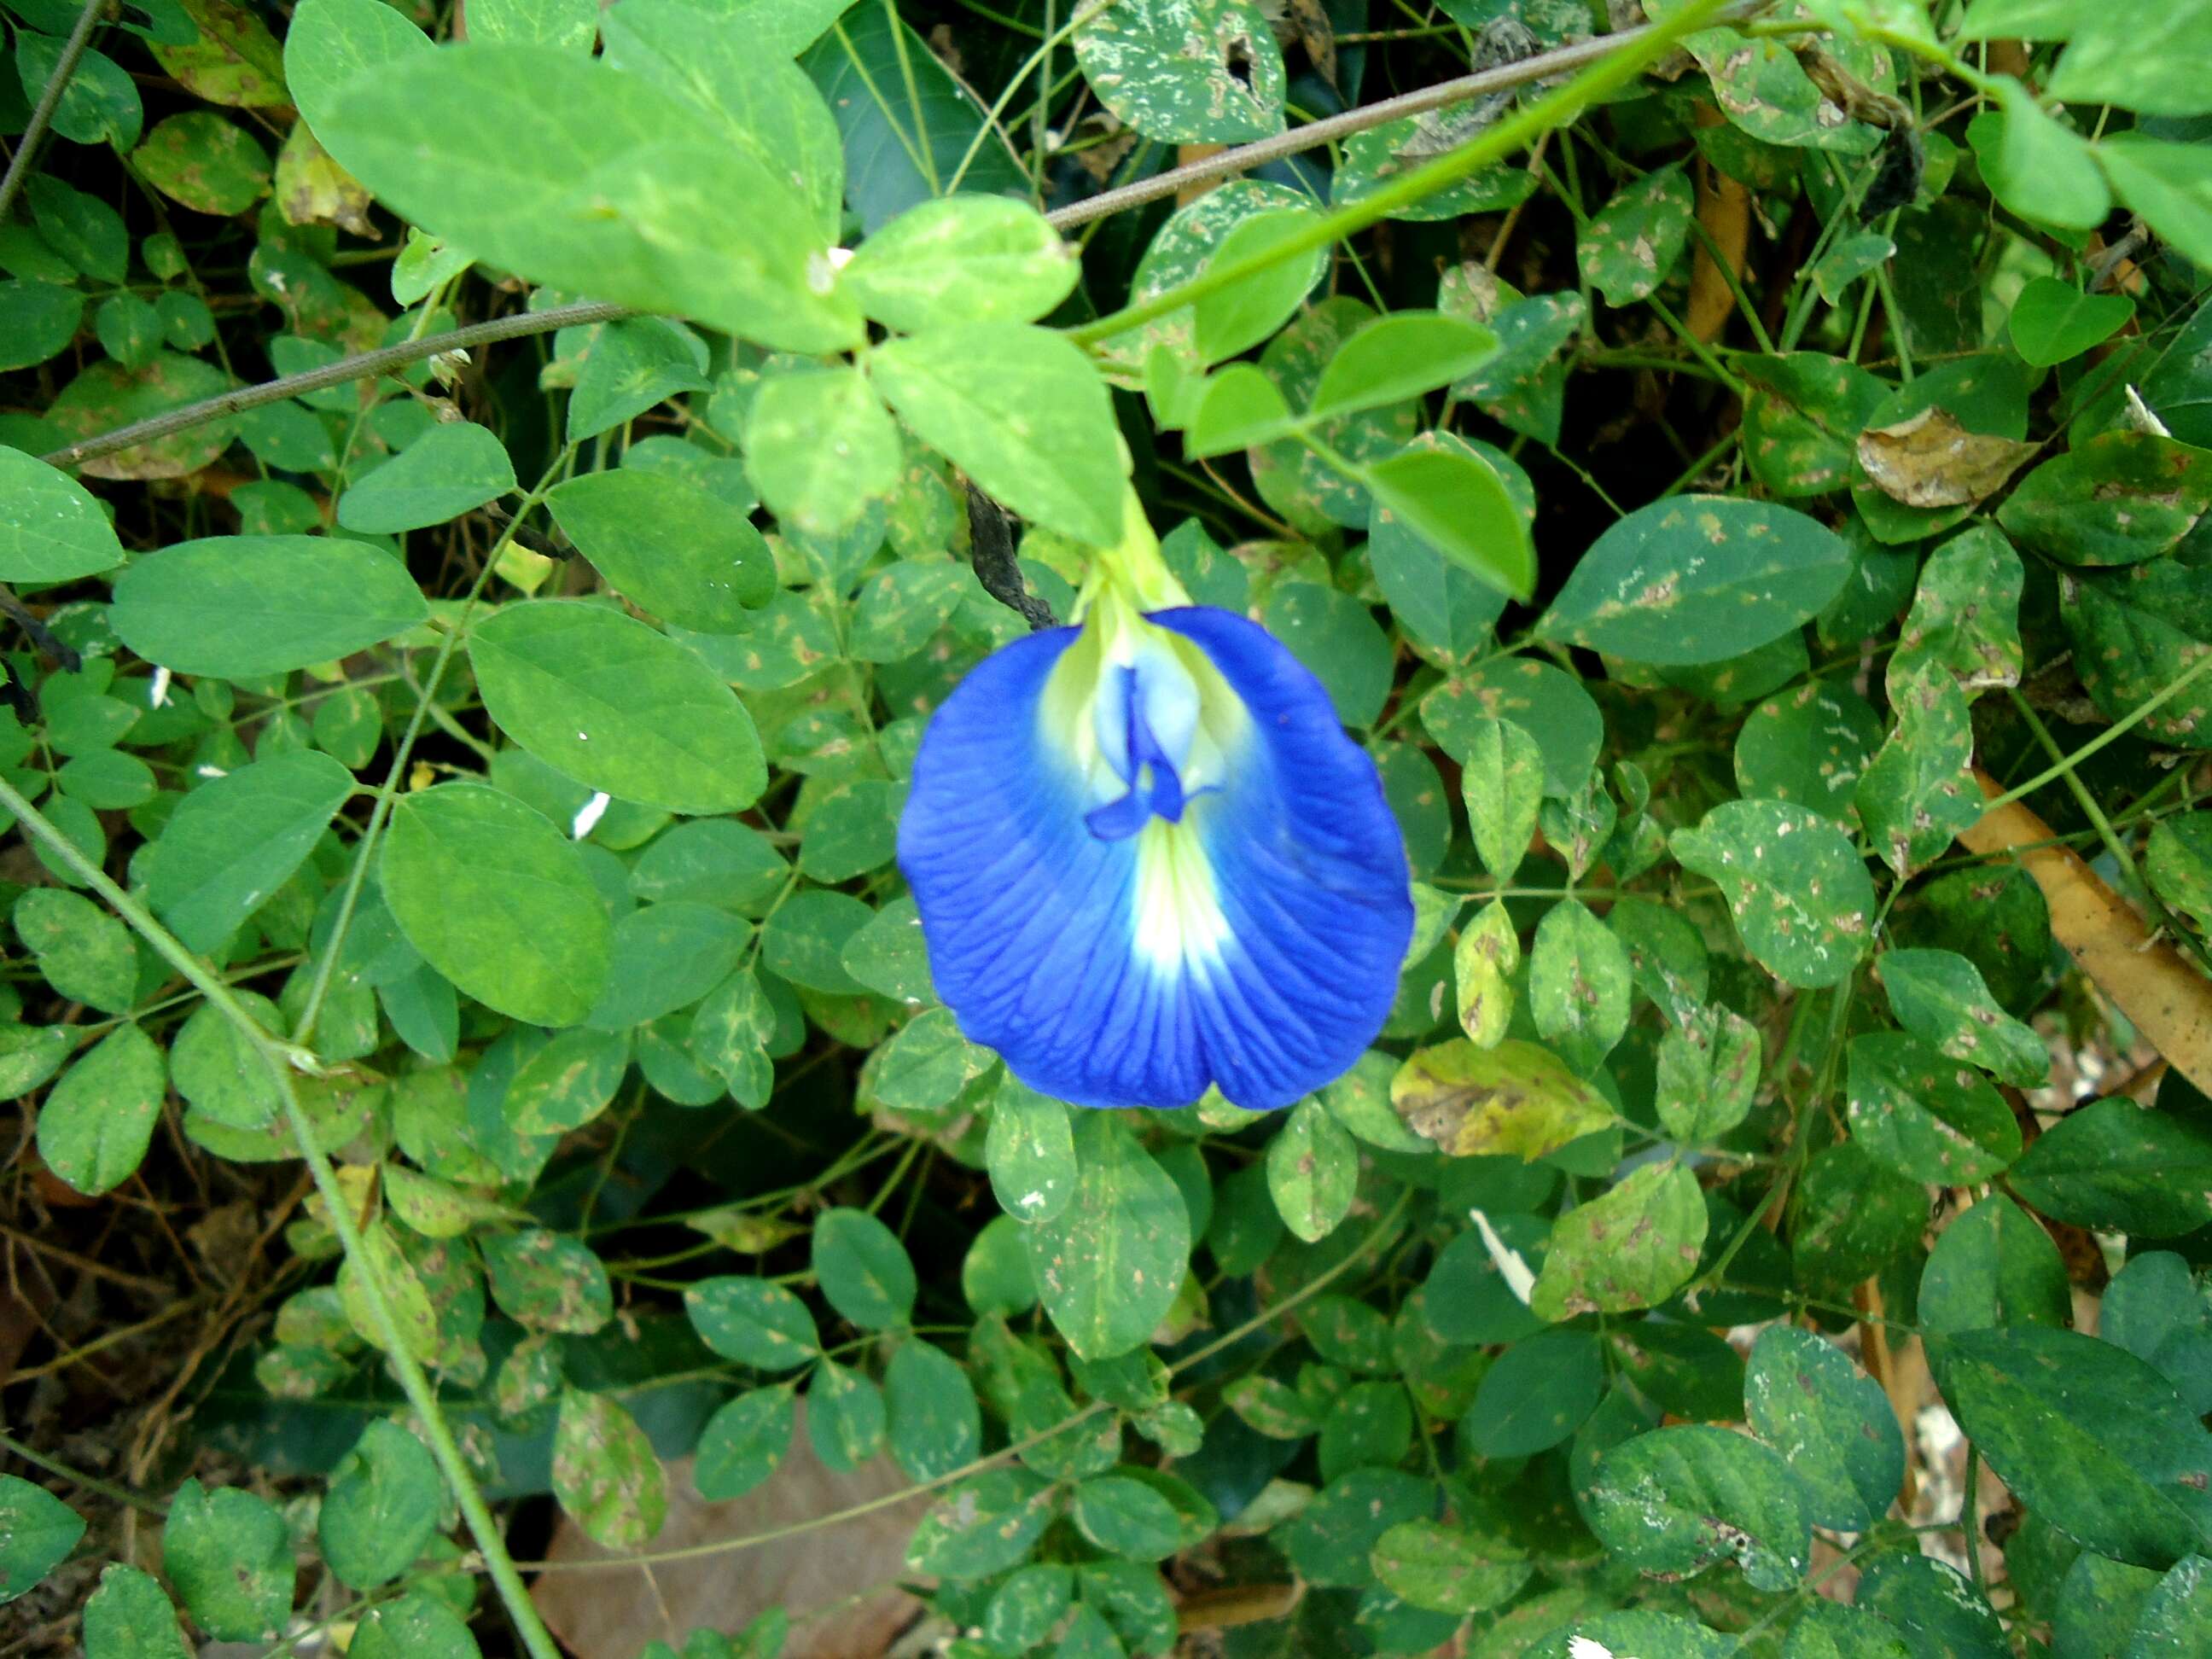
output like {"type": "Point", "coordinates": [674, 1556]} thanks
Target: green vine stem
{"type": "Point", "coordinates": [1642, 44]}
{"type": "Point", "coordinates": [283, 1060]}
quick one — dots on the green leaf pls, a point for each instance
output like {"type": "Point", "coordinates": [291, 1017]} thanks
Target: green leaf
{"type": "Point", "coordinates": [2177, 1615]}
{"type": "Point", "coordinates": [844, 1416]}
{"type": "Point", "coordinates": [2036, 164]}
{"type": "Point", "coordinates": [497, 901]}
{"type": "Point", "coordinates": [96, 1123]}
{"type": "Point", "coordinates": [983, 1526]}
{"type": "Point", "coordinates": [1918, 791]}
{"type": "Point", "coordinates": [1239, 406]}
{"type": "Point", "coordinates": [37, 1533]}
{"type": "Point", "coordinates": [1020, 410]}
{"type": "Point", "coordinates": [1030, 1153]}
{"type": "Point", "coordinates": [1336, 636]}
{"type": "Point", "coordinates": [804, 941]}
{"type": "Point", "coordinates": [1332, 1541]}
{"type": "Point", "coordinates": [1802, 899]}
{"type": "Point", "coordinates": [1802, 417]}
{"type": "Point", "coordinates": [37, 321]}
{"type": "Point", "coordinates": [448, 471]}
{"type": "Point", "coordinates": [330, 42]}
{"type": "Point", "coordinates": [1185, 71]}
{"type": "Point", "coordinates": [1313, 1170]}
{"type": "Point", "coordinates": [2086, 1434]}
{"type": "Point", "coordinates": [1449, 1568]}
{"type": "Point", "coordinates": [1125, 1517]}
{"type": "Point", "coordinates": [604, 1472]}
{"type": "Point", "coordinates": [1939, 996]}
{"type": "Point", "coordinates": [667, 957]}
{"type": "Point", "coordinates": [853, 829]}
{"type": "Point", "coordinates": [2168, 183]}
{"type": "Point", "coordinates": [1677, 1500]}
{"type": "Point", "coordinates": [129, 1618]}
{"type": "Point", "coordinates": [84, 953]}
{"type": "Point", "coordinates": [759, 102]}
{"type": "Point", "coordinates": [909, 124]}
{"type": "Point", "coordinates": [1547, 702]}
{"type": "Point", "coordinates": [1501, 785]}
{"type": "Point", "coordinates": [2052, 320]}
{"type": "Point", "coordinates": [687, 556]}
{"type": "Point", "coordinates": [1627, 247]}
{"type": "Point", "coordinates": [1707, 1075]}
{"type": "Point", "coordinates": [2117, 1168]}
{"type": "Point", "coordinates": [1439, 603]}
{"type": "Point", "coordinates": [420, 1624]}
{"type": "Point", "coordinates": [1698, 579]}
{"type": "Point", "coordinates": [1829, 1630]}
{"type": "Point", "coordinates": [819, 447]}
{"type": "Point", "coordinates": [1514, 1098]}
{"type": "Point", "coordinates": [628, 368]}
{"type": "Point", "coordinates": [200, 160]}
{"type": "Point", "coordinates": [382, 1506]}
{"type": "Point", "coordinates": [2134, 633]}
{"type": "Point", "coordinates": [566, 1084]}
{"type": "Point", "coordinates": [52, 528]}
{"type": "Point", "coordinates": [242, 607]}
{"type": "Point", "coordinates": [1454, 501]}
{"type": "Point", "coordinates": [2154, 1309]}
{"type": "Point", "coordinates": [2141, 63]}
{"type": "Point", "coordinates": [2179, 865]}
{"type": "Point", "coordinates": [1810, 746]}
{"type": "Point", "coordinates": [1632, 1248]}
{"type": "Point", "coordinates": [863, 1269]}
{"type": "Point", "coordinates": [1108, 1266]}
{"type": "Point", "coordinates": [1926, 1115]}
{"type": "Point", "coordinates": [571, 172]}
{"type": "Point", "coordinates": [1235, 317]}
{"type": "Point", "coordinates": [568, 24]}
{"type": "Point", "coordinates": [936, 1426]}
{"type": "Point", "coordinates": [1484, 960]}
{"type": "Point", "coordinates": [753, 1322]}
{"type": "Point", "coordinates": [229, 1554]}
{"type": "Point", "coordinates": [1832, 1423]}
{"type": "Point", "coordinates": [1854, 1217]}
{"type": "Point", "coordinates": [234, 841]}
{"type": "Point", "coordinates": [1397, 356]}
{"type": "Point", "coordinates": [1933, 1601]}
{"type": "Point", "coordinates": [744, 1442]}
{"type": "Point", "coordinates": [1579, 985]}
{"type": "Point", "coordinates": [616, 705]}
{"type": "Point", "coordinates": [962, 259]}
{"type": "Point", "coordinates": [1993, 1265]}
{"type": "Point", "coordinates": [2121, 498]}
{"type": "Point", "coordinates": [928, 1064]}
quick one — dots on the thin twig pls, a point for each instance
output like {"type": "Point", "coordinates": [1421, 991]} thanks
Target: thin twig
{"type": "Point", "coordinates": [338, 374]}
{"type": "Point", "coordinates": [1239, 160]}
{"type": "Point", "coordinates": [73, 49]}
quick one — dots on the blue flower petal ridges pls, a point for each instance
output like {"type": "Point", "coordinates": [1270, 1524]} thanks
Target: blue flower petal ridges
{"type": "Point", "coordinates": [1148, 860]}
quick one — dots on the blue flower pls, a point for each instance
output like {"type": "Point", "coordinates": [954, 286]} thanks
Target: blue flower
{"type": "Point", "coordinates": [1148, 859]}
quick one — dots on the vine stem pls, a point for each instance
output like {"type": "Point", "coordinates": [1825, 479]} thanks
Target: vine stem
{"type": "Point", "coordinates": [519, 325]}
{"type": "Point", "coordinates": [1642, 43]}
{"type": "Point", "coordinates": [73, 50]}
{"type": "Point", "coordinates": [283, 1060]}
{"type": "Point", "coordinates": [1610, 61]}
{"type": "Point", "coordinates": [304, 1029]}
{"type": "Point", "coordinates": [890, 1500]}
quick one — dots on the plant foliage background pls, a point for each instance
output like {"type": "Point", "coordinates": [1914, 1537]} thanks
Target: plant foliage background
{"type": "Point", "coordinates": [1746, 482]}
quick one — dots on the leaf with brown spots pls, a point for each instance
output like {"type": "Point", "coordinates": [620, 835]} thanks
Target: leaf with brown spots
{"type": "Point", "coordinates": [1516, 1099]}
{"type": "Point", "coordinates": [1929, 459]}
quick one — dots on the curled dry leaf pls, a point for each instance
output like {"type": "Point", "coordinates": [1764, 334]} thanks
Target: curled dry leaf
{"type": "Point", "coordinates": [2166, 999]}
{"type": "Point", "coordinates": [1930, 460]}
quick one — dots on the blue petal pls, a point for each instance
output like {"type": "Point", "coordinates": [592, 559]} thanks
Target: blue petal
{"type": "Point", "coordinates": [1254, 945]}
